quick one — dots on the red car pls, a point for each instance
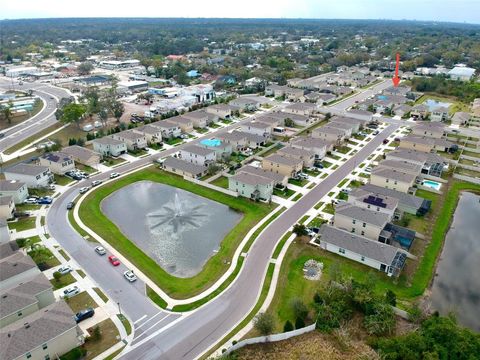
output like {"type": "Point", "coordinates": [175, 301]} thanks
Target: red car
{"type": "Point", "coordinates": [113, 260]}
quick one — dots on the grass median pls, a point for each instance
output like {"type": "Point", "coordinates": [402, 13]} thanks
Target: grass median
{"type": "Point", "coordinates": [179, 288]}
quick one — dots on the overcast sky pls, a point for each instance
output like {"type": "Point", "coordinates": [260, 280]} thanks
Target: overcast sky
{"type": "Point", "coordinates": [438, 10]}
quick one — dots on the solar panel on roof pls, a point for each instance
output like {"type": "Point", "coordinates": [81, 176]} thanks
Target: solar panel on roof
{"type": "Point", "coordinates": [375, 200]}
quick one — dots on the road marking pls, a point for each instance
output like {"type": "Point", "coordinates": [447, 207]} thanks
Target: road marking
{"type": "Point", "coordinates": [138, 320]}
{"type": "Point", "coordinates": [153, 317]}
{"type": "Point", "coordinates": [151, 327]}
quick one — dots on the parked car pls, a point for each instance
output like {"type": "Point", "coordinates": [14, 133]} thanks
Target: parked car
{"type": "Point", "coordinates": [96, 183]}
{"type": "Point", "coordinates": [302, 176]}
{"type": "Point", "coordinates": [84, 189]}
{"type": "Point", "coordinates": [100, 250]}
{"type": "Point", "coordinates": [65, 269]}
{"type": "Point", "coordinates": [51, 187]}
{"type": "Point", "coordinates": [385, 141]}
{"type": "Point", "coordinates": [368, 170]}
{"type": "Point", "coordinates": [114, 260]}
{"type": "Point", "coordinates": [2, 135]}
{"type": "Point", "coordinates": [130, 276]}
{"type": "Point", "coordinates": [376, 132]}
{"type": "Point", "coordinates": [22, 214]}
{"type": "Point", "coordinates": [30, 200]}
{"type": "Point", "coordinates": [318, 165]}
{"type": "Point", "coordinates": [46, 200]}
{"type": "Point", "coordinates": [84, 314]}
{"type": "Point", "coordinates": [71, 291]}
{"type": "Point", "coordinates": [114, 175]}
{"type": "Point", "coordinates": [70, 205]}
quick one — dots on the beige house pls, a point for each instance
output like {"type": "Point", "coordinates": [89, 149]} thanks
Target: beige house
{"type": "Point", "coordinates": [293, 94]}
{"type": "Point", "coordinates": [132, 139]}
{"type": "Point", "coordinates": [186, 125]}
{"type": "Point", "coordinates": [24, 298]}
{"type": "Point", "coordinates": [330, 134]}
{"type": "Point", "coordinates": [429, 129]}
{"type": "Point", "coordinates": [257, 128]}
{"type": "Point", "coordinates": [439, 114]}
{"type": "Point", "coordinates": [306, 109]}
{"type": "Point", "coordinates": [152, 133]}
{"type": "Point", "coordinates": [45, 334]}
{"type": "Point", "coordinates": [184, 168]}
{"type": "Point", "coordinates": [7, 207]}
{"type": "Point", "coordinates": [282, 165]}
{"type": "Point", "coordinates": [319, 146]}
{"type": "Point", "coordinates": [199, 118]}
{"type": "Point", "coordinates": [251, 186]}
{"type": "Point", "coordinates": [58, 162]}
{"type": "Point", "coordinates": [360, 221]}
{"type": "Point", "coordinates": [307, 156]}
{"type": "Point", "coordinates": [392, 179]}
{"type": "Point", "coordinates": [404, 166]}
{"type": "Point", "coordinates": [83, 155]}
{"type": "Point", "coordinates": [278, 179]}
{"type": "Point", "coordinates": [419, 143]}
{"type": "Point", "coordinates": [223, 111]}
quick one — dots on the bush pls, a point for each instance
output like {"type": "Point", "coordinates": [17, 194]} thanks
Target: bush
{"type": "Point", "coordinates": [381, 321]}
{"type": "Point", "coordinates": [57, 276]}
{"type": "Point", "coordinates": [299, 323]}
{"type": "Point", "coordinates": [299, 308]}
{"type": "Point", "coordinates": [391, 298]}
{"type": "Point", "coordinates": [264, 323]}
{"type": "Point", "coordinates": [288, 326]}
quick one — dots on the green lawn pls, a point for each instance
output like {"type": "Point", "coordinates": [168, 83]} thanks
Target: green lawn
{"type": "Point", "coordinates": [176, 287]}
{"type": "Point", "coordinates": [109, 337]}
{"type": "Point", "coordinates": [23, 241]}
{"type": "Point", "coordinates": [152, 295]}
{"type": "Point", "coordinates": [284, 194]}
{"type": "Point", "coordinates": [301, 182]}
{"type": "Point", "coordinates": [297, 197]}
{"type": "Point", "coordinates": [81, 301]}
{"type": "Point", "coordinates": [62, 180]}
{"type": "Point", "coordinates": [329, 209]}
{"type": "Point", "coordinates": [63, 281]}
{"type": "Point", "coordinates": [126, 323]}
{"type": "Point", "coordinates": [22, 224]}
{"type": "Point", "coordinates": [222, 182]}
{"type": "Point", "coordinates": [280, 245]}
{"type": "Point", "coordinates": [101, 294]}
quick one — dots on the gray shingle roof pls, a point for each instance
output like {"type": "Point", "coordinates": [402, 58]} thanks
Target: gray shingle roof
{"type": "Point", "coordinates": [6, 200]}
{"type": "Point", "coordinates": [10, 185]}
{"type": "Point", "coordinates": [358, 244]}
{"type": "Point", "coordinates": [27, 169]}
{"type": "Point", "coordinates": [404, 166]}
{"type": "Point", "coordinates": [183, 165]}
{"type": "Point", "coordinates": [417, 140]}
{"type": "Point", "coordinates": [371, 217]}
{"type": "Point", "coordinates": [404, 199]}
{"type": "Point", "coordinates": [130, 135]}
{"type": "Point", "coordinates": [79, 152]}
{"type": "Point", "coordinates": [108, 140]}
{"type": "Point", "coordinates": [309, 142]}
{"type": "Point", "coordinates": [279, 159]}
{"type": "Point", "coordinates": [15, 264]}
{"type": "Point", "coordinates": [44, 325]}
{"type": "Point", "coordinates": [22, 295]}
{"type": "Point", "coordinates": [198, 150]}
{"type": "Point", "coordinates": [295, 152]}
{"type": "Point", "coordinates": [251, 179]}
{"type": "Point", "coordinates": [277, 178]}
{"type": "Point", "coordinates": [393, 174]}
{"type": "Point", "coordinates": [329, 130]}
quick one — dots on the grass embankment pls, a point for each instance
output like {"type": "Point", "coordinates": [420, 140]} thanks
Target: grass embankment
{"type": "Point", "coordinates": [179, 288]}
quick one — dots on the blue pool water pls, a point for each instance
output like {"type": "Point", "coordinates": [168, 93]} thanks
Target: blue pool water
{"type": "Point", "coordinates": [432, 184]}
{"type": "Point", "coordinates": [432, 104]}
{"type": "Point", "coordinates": [211, 142]}
{"type": "Point", "coordinates": [382, 97]}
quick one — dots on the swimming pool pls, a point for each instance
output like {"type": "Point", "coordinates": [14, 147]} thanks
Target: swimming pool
{"type": "Point", "coordinates": [432, 104]}
{"type": "Point", "coordinates": [432, 184]}
{"type": "Point", "coordinates": [382, 97]}
{"type": "Point", "coordinates": [211, 142]}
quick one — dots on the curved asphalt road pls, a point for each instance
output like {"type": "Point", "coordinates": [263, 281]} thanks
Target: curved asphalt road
{"type": "Point", "coordinates": [45, 118]}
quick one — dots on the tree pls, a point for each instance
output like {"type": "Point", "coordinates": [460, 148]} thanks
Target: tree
{"type": "Point", "coordinates": [7, 114]}
{"type": "Point", "coordinates": [289, 122]}
{"type": "Point", "coordinates": [299, 323]}
{"type": "Point", "coordinates": [288, 326]}
{"type": "Point", "coordinates": [117, 109]}
{"type": "Point", "coordinates": [381, 321]}
{"type": "Point", "coordinates": [299, 308]}
{"type": "Point", "coordinates": [264, 323]}
{"type": "Point", "coordinates": [57, 276]}
{"type": "Point", "coordinates": [73, 113]}
{"type": "Point", "coordinates": [390, 297]}
{"type": "Point", "coordinates": [85, 68]}
{"type": "Point", "coordinates": [300, 230]}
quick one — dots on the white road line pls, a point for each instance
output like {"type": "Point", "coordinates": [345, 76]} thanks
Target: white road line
{"type": "Point", "coordinates": [138, 320]}
{"type": "Point", "coordinates": [151, 327]}
{"type": "Point", "coordinates": [150, 319]}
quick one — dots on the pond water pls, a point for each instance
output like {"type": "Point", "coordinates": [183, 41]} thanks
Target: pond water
{"type": "Point", "coordinates": [432, 104]}
{"type": "Point", "coordinates": [176, 228]}
{"type": "Point", "coordinates": [456, 287]}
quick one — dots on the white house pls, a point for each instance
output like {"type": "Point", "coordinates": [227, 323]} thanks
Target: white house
{"type": "Point", "coordinates": [168, 129]}
{"type": "Point", "coordinates": [133, 140]}
{"type": "Point", "coordinates": [17, 189]}
{"type": "Point", "coordinates": [252, 186]}
{"type": "Point", "coordinates": [257, 128]}
{"type": "Point", "coordinates": [359, 220]}
{"type": "Point", "coordinates": [34, 176]}
{"type": "Point", "coordinates": [198, 155]}
{"type": "Point", "coordinates": [108, 146]}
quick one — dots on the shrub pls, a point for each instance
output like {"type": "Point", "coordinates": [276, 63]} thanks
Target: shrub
{"type": "Point", "coordinates": [299, 323]}
{"type": "Point", "coordinates": [264, 323]}
{"type": "Point", "coordinates": [288, 326]}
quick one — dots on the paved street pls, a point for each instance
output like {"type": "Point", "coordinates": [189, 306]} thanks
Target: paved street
{"type": "Point", "coordinates": [45, 118]}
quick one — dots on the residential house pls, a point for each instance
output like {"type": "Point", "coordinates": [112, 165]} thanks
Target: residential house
{"type": "Point", "coordinates": [244, 104]}
{"type": "Point", "coordinates": [402, 110]}
{"type": "Point", "coordinates": [252, 186]}
{"type": "Point", "coordinates": [16, 268]}
{"type": "Point", "coordinates": [132, 139]}
{"type": "Point", "coordinates": [198, 155]}
{"type": "Point", "coordinates": [185, 124]}
{"type": "Point", "coordinates": [318, 146]}
{"type": "Point", "coordinates": [407, 203]}
{"type": "Point", "coordinates": [293, 94]}
{"type": "Point", "coordinates": [109, 146]}
{"type": "Point", "coordinates": [278, 179]}
{"type": "Point", "coordinates": [439, 114]}
{"type": "Point", "coordinates": [420, 111]}
{"type": "Point", "coordinates": [83, 155]}
{"type": "Point", "coordinates": [354, 124]}
{"type": "Point", "coordinates": [223, 111]}
{"type": "Point", "coordinates": [359, 114]}
{"type": "Point", "coordinates": [360, 220]}
{"type": "Point", "coordinates": [330, 134]}
{"type": "Point", "coordinates": [17, 189]}
{"type": "Point", "coordinates": [7, 207]}
{"type": "Point", "coordinates": [429, 129]}
{"type": "Point", "coordinates": [222, 150]}
{"type": "Point", "coordinates": [282, 165]}
{"type": "Point", "coordinates": [24, 298]}
{"type": "Point", "coordinates": [392, 179]}
{"type": "Point", "coordinates": [257, 128]}
{"type": "Point", "coordinates": [306, 109]}
{"type": "Point", "coordinates": [461, 72]}
{"type": "Point", "coordinates": [377, 202]}
{"type": "Point", "coordinates": [152, 133]}
{"type": "Point", "coordinates": [347, 127]}
{"type": "Point", "coordinates": [461, 118]}
{"type": "Point", "coordinates": [199, 118]}
{"type": "Point", "coordinates": [184, 168]}
{"type": "Point", "coordinates": [237, 139]}
{"type": "Point", "coordinates": [404, 166]}
{"type": "Point", "coordinates": [34, 176]}
{"type": "Point", "coordinates": [307, 156]}
{"type": "Point", "coordinates": [168, 129]}
{"type": "Point", "coordinates": [272, 121]}
{"type": "Point", "coordinates": [58, 162]}
{"type": "Point", "coordinates": [383, 257]}
{"type": "Point", "coordinates": [275, 90]}
{"type": "Point", "coordinates": [418, 143]}
{"type": "Point", "coordinates": [432, 164]}
{"type": "Point", "coordinates": [44, 334]}
{"type": "Point", "coordinates": [298, 120]}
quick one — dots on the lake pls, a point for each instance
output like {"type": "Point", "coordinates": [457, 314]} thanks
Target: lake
{"type": "Point", "coordinates": [456, 287]}
{"type": "Point", "coordinates": [176, 228]}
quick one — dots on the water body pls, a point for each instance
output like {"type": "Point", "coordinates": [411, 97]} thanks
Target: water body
{"type": "Point", "coordinates": [457, 286]}
{"type": "Point", "coordinates": [177, 229]}
{"type": "Point", "coordinates": [432, 104]}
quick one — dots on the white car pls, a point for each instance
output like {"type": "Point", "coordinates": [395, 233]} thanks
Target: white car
{"type": "Point", "coordinates": [84, 189]}
{"type": "Point", "coordinates": [96, 183]}
{"type": "Point", "coordinates": [368, 170]}
{"type": "Point", "coordinates": [114, 175]}
{"type": "Point", "coordinates": [71, 291]}
{"type": "Point", "coordinates": [65, 269]}
{"type": "Point", "coordinates": [100, 250]}
{"type": "Point", "coordinates": [130, 276]}
{"type": "Point", "coordinates": [30, 201]}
